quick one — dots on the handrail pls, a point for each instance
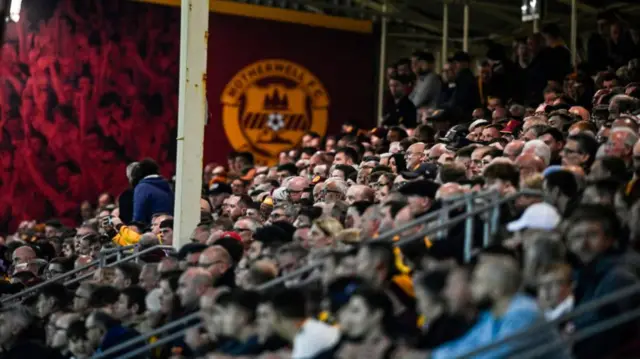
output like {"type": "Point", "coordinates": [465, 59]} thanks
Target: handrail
{"type": "Point", "coordinates": [607, 299]}
{"type": "Point", "coordinates": [54, 279]}
{"type": "Point", "coordinates": [110, 254]}
{"type": "Point", "coordinates": [587, 332]}
{"type": "Point", "coordinates": [387, 235]}
{"type": "Point", "coordinates": [450, 202]}
{"type": "Point", "coordinates": [166, 340]}
{"type": "Point", "coordinates": [123, 260]}
{"type": "Point", "coordinates": [147, 335]}
{"type": "Point", "coordinates": [262, 287]}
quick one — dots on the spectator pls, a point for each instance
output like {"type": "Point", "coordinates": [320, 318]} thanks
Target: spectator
{"type": "Point", "coordinates": [151, 194]}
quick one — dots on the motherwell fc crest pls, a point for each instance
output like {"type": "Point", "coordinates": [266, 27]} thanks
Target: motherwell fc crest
{"type": "Point", "coordinates": [269, 105]}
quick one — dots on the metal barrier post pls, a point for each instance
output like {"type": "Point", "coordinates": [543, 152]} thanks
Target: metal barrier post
{"type": "Point", "coordinates": [444, 217]}
{"type": "Point", "coordinates": [495, 217]}
{"type": "Point", "coordinates": [468, 231]}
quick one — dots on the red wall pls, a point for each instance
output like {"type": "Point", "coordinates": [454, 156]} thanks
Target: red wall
{"type": "Point", "coordinates": [89, 86]}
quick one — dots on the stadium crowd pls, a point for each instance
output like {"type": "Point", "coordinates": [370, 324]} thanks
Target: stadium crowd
{"type": "Point", "coordinates": [527, 121]}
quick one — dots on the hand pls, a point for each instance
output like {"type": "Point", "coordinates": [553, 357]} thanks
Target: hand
{"type": "Point", "coordinates": [192, 338]}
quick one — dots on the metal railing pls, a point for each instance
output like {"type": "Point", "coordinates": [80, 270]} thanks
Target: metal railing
{"type": "Point", "coordinates": [102, 261]}
{"type": "Point", "coordinates": [472, 210]}
{"type": "Point", "coordinates": [467, 200]}
{"type": "Point", "coordinates": [103, 257]}
{"type": "Point", "coordinates": [582, 309]}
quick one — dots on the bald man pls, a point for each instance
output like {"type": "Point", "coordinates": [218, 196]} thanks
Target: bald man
{"type": "Point", "coordinates": [581, 112]}
{"type": "Point", "coordinates": [24, 254]}
{"type": "Point", "coordinates": [529, 165]}
{"type": "Point", "coordinates": [495, 283]}
{"type": "Point", "coordinates": [358, 193]}
{"type": "Point", "coordinates": [513, 149]}
{"type": "Point", "coordinates": [295, 188]}
{"type": "Point", "coordinates": [499, 115]}
{"type": "Point", "coordinates": [193, 283]}
{"type": "Point", "coordinates": [436, 151]}
{"type": "Point", "coordinates": [625, 122]}
{"type": "Point", "coordinates": [415, 155]}
{"type": "Point", "coordinates": [449, 190]}
{"type": "Point", "coordinates": [216, 260]}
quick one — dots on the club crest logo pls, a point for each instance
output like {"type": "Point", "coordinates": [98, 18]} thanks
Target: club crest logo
{"type": "Point", "coordinates": [269, 105]}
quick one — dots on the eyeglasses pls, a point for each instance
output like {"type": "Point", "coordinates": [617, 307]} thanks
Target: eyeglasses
{"type": "Point", "coordinates": [289, 191]}
{"type": "Point", "coordinates": [324, 192]}
{"type": "Point", "coordinates": [276, 215]}
{"type": "Point", "coordinates": [207, 265]}
{"type": "Point", "coordinates": [569, 151]}
{"type": "Point", "coordinates": [242, 230]}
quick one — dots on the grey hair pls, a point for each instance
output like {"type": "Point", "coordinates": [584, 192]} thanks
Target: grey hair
{"type": "Point", "coordinates": [631, 139]}
{"type": "Point", "coordinates": [540, 149]}
{"type": "Point", "coordinates": [289, 210]}
{"type": "Point", "coordinates": [130, 167]}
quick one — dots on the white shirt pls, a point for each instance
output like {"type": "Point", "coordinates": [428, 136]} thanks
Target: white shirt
{"type": "Point", "coordinates": [564, 307]}
{"type": "Point", "coordinates": [314, 337]}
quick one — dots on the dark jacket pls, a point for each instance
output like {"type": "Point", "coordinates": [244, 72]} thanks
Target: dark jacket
{"type": "Point", "coordinates": [605, 275]}
{"type": "Point", "coordinates": [27, 348]}
{"type": "Point", "coordinates": [466, 96]}
{"type": "Point", "coordinates": [152, 195]}
{"type": "Point", "coordinates": [125, 203]}
{"type": "Point", "coordinates": [117, 335]}
{"type": "Point", "coordinates": [403, 113]}
{"type": "Point", "coordinates": [228, 279]}
{"type": "Point", "coordinates": [445, 328]}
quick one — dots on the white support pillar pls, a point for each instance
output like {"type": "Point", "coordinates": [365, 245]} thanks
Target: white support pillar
{"type": "Point", "coordinates": [536, 27]}
{"type": "Point", "coordinates": [465, 29]}
{"type": "Point", "coordinates": [194, 27]}
{"type": "Point", "coordinates": [574, 32]}
{"type": "Point", "coordinates": [382, 74]}
{"type": "Point", "coordinates": [445, 32]}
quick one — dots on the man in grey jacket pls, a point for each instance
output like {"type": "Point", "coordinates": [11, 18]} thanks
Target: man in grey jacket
{"type": "Point", "coordinates": [426, 92]}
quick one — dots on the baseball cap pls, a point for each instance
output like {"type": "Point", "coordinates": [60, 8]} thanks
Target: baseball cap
{"type": "Point", "coordinates": [428, 170]}
{"type": "Point", "coordinates": [219, 188]}
{"type": "Point", "coordinates": [511, 126]}
{"type": "Point", "coordinates": [476, 123]}
{"type": "Point", "coordinates": [537, 216]}
{"type": "Point", "coordinates": [422, 188]}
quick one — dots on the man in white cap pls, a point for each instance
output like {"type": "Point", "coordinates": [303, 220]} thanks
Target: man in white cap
{"type": "Point", "coordinates": [537, 217]}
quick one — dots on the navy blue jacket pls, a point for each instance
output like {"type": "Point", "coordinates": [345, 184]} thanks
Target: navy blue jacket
{"type": "Point", "coordinates": [152, 195]}
{"type": "Point", "coordinates": [604, 276]}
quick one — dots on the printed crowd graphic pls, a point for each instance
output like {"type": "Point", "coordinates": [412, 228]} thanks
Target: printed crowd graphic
{"type": "Point", "coordinates": [88, 86]}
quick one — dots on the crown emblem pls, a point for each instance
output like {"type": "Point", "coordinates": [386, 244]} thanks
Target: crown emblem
{"type": "Point", "coordinates": [276, 102]}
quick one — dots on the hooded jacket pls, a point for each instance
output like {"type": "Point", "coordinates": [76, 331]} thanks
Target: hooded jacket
{"type": "Point", "coordinates": [152, 195]}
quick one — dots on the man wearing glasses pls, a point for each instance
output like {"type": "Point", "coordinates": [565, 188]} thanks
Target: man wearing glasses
{"type": "Point", "coordinates": [295, 189]}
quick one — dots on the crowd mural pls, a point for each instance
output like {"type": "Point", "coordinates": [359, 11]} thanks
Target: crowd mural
{"type": "Point", "coordinates": [492, 214]}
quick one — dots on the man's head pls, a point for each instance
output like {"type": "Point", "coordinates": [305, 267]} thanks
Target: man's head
{"type": "Point", "coordinates": [127, 274]}
{"type": "Point", "coordinates": [295, 187]}
{"type": "Point", "coordinates": [59, 340]}
{"type": "Point", "coordinates": [422, 62]}
{"type": "Point", "coordinates": [345, 156]}
{"type": "Point", "coordinates": [513, 149]}
{"type": "Point", "coordinates": [591, 231]}
{"type": "Point", "coordinates": [98, 324]}
{"type": "Point", "coordinates": [494, 279]}
{"type": "Point", "coordinates": [82, 295]}
{"type": "Point", "coordinates": [193, 283]}
{"type": "Point", "coordinates": [358, 193]}
{"type": "Point", "coordinates": [580, 150]}
{"type": "Point", "coordinates": [52, 298]}
{"type": "Point", "coordinates": [375, 262]}
{"type": "Point", "coordinates": [415, 155]}
{"type": "Point", "coordinates": [13, 324]}
{"type": "Point", "coordinates": [399, 86]}
{"type": "Point", "coordinates": [240, 313]}
{"type": "Point", "coordinates": [216, 261]}
{"type": "Point", "coordinates": [553, 138]}
{"type": "Point", "coordinates": [131, 303]}
{"type": "Point", "coordinates": [554, 285]}
{"type": "Point", "coordinates": [149, 276]}
{"type": "Point", "coordinates": [620, 143]}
